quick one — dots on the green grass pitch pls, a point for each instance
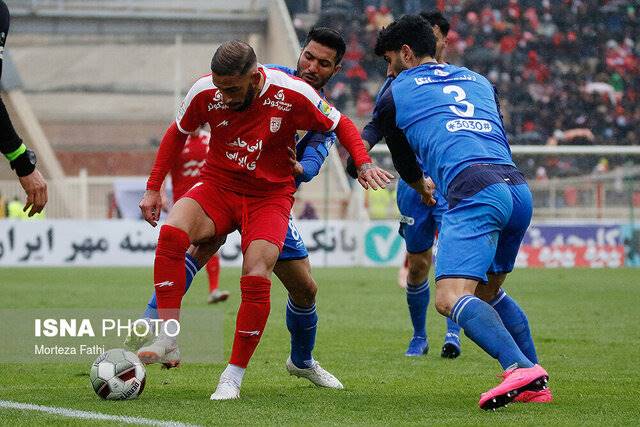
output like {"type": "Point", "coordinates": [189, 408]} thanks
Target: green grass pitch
{"type": "Point", "coordinates": [585, 324]}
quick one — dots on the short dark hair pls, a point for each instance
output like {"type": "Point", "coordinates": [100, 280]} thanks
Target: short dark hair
{"type": "Point", "coordinates": [435, 18]}
{"type": "Point", "coordinates": [412, 30]}
{"type": "Point", "coordinates": [327, 37]}
{"type": "Point", "coordinates": [233, 58]}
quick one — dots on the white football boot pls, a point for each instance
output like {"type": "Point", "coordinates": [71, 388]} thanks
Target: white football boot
{"type": "Point", "coordinates": [164, 349]}
{"type": "Point", "coordinates": [227, 389]}
{"type": "Point", "coordinates": [315, 374]}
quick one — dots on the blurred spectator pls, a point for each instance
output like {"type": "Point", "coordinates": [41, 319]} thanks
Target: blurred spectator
{"type": "Point", "coordinates": [559, 66]}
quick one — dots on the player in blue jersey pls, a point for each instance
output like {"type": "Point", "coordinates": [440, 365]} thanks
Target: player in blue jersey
{"type": "Point", "coordinates": [418, 225]}
{"type": "Point", "coordinates": [318, 62]}
{"type": "Point", "coordinates": [448, 118]}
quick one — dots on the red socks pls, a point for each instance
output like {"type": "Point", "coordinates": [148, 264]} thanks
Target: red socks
{"type": "Point", "coordinates": [213, 271]}
{"type": "Point", "coordinates": [252, 318]}
{"type": "Point", "coordinates": [169, 274]}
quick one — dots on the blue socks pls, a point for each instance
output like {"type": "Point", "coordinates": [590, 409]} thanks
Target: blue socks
{"type": "Point", "coordinates": [482, 324]}
{"type": "Point", "coordinates": [302, 323]}
{"type": "Point", "coordinates": [418, 300]}
{"type": "Point", "coordinates": [453, 333]}
{"type": "Point", "coordinates": [192, 268]}
{"type": "Point", "coordinates": [516, 323]}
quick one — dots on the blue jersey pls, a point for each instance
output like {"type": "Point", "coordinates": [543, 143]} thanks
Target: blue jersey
{"type": "Point", "coordinates": [312, 148]}
{"type": "Point", "coordinates": [450, 118]}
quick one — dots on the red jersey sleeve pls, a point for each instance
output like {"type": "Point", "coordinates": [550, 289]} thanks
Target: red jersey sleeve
{"type": "Point", "coordinates": [318, 115]}
{"type": "Point", "coordinates": [191, 111]}
{"type": "Point", "coordinates": [170, 148]}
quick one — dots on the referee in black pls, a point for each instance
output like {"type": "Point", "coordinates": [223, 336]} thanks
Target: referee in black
{"type": "Point", "coordinates": [21, 159]}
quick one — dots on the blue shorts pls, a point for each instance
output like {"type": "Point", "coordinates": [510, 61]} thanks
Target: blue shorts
{"type": "Point", "coordinates": [418, 222]}
{"type": "Point", "coordinates": [482, 233]}
{"type": "Point", "coordinates": [293, 245]}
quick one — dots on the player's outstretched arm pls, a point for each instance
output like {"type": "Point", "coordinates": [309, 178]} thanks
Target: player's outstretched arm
{"type": "Point", "coordinates": [369, 175]}
{"type": "Point", "coordinates": [170, 148]}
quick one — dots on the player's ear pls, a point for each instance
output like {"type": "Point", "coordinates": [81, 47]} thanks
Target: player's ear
{"type": "Point", "coordinates": [255, 77]}
{"type": "Point", "coordinates": [406, 53]}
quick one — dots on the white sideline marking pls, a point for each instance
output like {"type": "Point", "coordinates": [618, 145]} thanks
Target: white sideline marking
{"type": "Point", "coordinates": [87, 415]}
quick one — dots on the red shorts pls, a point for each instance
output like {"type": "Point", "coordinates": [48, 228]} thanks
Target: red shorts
{"type": "Point", "coordinates": [257, 217]}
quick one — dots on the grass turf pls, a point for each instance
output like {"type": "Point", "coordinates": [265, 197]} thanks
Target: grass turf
{"type": "Point", "coordinates": [585, 324]}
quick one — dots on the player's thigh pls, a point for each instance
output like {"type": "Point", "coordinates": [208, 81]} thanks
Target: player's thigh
{"type": "Point", "coordinates": [263, 230]}
{"type": "Point", "coordinates": [217, 205]}
{"type": "Point", "coordinates": [189, 216]}
{"type": "Point", "coordinates": [513, 233]}
{"type": "Point", "coordinates": [265, 218]}
{"type": "Point", "coordinates": [469, 234]}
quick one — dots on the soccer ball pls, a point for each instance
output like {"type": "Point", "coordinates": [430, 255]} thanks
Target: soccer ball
{"type": "Point", "coordinates": [117, 374]}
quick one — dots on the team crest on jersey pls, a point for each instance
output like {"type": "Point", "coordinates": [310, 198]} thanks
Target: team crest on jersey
{"type": "Point", "coordinates": [274, 126]}
{"type": "Point", "coordinates": [324, 107]}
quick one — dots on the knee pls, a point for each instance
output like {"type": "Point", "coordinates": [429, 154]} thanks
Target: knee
{"type": "Point", "coordinates": [418, 269]}
{"type": "Point", "coordinates": [304, 293]}
{"type": "Point", "coordinates": [443, 305]}
{"type": "Point", "coordinates": [172, 238]}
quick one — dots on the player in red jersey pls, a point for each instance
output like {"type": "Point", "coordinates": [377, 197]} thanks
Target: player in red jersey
{"type": "Point", "coordinates": [247, 184]}
{"type": "Point", "coordinates": [185, 173]}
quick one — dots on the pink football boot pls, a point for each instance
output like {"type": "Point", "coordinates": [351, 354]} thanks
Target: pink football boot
{"type": "Point", "coordinates": [515, 381]}
{"type": "Point", "coordinates": [542, 396]}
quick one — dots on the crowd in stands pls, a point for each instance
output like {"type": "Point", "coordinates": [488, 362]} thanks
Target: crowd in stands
{"type": "Point", "coordinates": [568, 71]}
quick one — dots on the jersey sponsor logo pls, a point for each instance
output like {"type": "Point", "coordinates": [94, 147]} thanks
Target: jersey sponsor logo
{"type": "Point", "coordinates": [217, 103]}
{"type": "Point", "coordinates": [237, 143]}
{"type": "Point", "coordinates": [223, 123]}
{"type": "Point", "coordinates": [324, 107]}
{"type": "Point", "coordinates": [427, 80]}
{"type": "Point", "coordinates": [441, 73]}
{"type": "Point", "coordinates": [217, 106]}
{"type": "Point", "coordinates": [472, 125]}
{"type": "Point", "coordinates": [240, 157]}
{"type": "Point", "coordinates": [274, 125]}
{"type": "Point", "coordinates": [278, 102]}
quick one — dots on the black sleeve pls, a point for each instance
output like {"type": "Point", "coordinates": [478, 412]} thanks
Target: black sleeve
{"type": "Point", "coordinates": [9, 139]}
{"type": "Point", "coordinates": [372, 134]}
{"type": "Point", "coordinates": [497, 99]}
{"type": "Point", "coordinates": [404, 159]}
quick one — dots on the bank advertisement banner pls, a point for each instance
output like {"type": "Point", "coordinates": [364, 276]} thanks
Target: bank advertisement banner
{"type": "Point", "coordinates": [329, 243]}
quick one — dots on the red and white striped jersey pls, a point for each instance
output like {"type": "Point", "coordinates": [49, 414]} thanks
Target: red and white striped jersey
{"type": "Point", "coordinates": [248, 149]}
{"type": "Point", "coordinates": [185, 172]}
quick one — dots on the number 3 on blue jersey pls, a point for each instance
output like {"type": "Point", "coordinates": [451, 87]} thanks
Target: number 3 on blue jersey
{"type": "Point", "coordinates": [460, 96]}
